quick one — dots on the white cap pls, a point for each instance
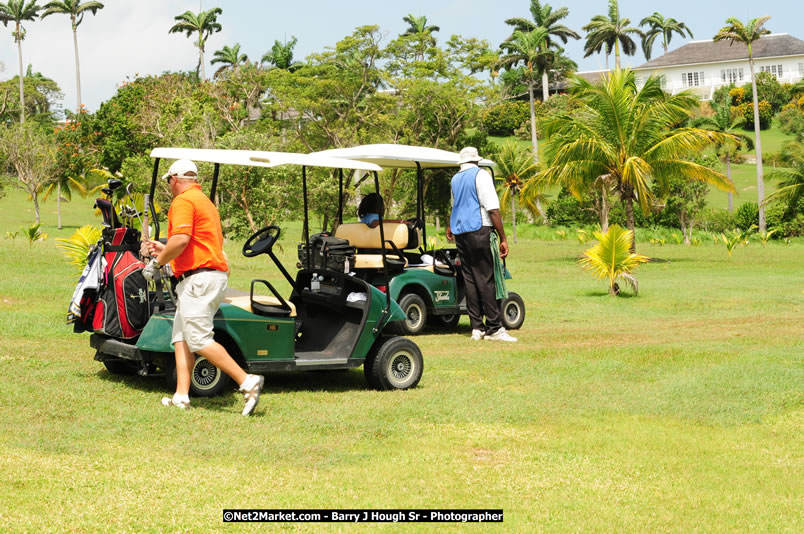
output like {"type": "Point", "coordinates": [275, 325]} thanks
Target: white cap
{"type": "Point", "coordinates": [468, 155]}
{"type": "Point", "coordinates": [180, 168]}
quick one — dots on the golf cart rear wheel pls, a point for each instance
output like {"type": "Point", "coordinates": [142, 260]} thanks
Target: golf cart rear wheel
{"type": "Point", "coordinates": [206, 380]}
{"type": "Point", "coordinates": [415, 311]}
{"type": "Point", "coordinates": [396, 364]}
{"type": "Point", "coordinates": [445, 321]}
{"type": "Point", "coordinates": [512, 311]}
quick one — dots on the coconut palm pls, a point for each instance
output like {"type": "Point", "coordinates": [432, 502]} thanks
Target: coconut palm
{"type": "Point", "coordinates": [630, 136]}
{"type": "Point", "coordinates": [76, 9]}
{"type": "Point", "coordinates": [611, 32]}
{"type": "Point", "coordinates": [515, 166]}
{"type": "Point", "coordinates": [723, 122]}
{"type": "Point", "coordinates": [736, 31]}
{"type": "Point", "coordinates": [545, 17]}
{"type": "Point", "coordinates": [18, 11]}
{"type": "Point", "coordinates": [229, 58]}
{"type": "Point", "coordinates": [791, 177]}
{"type": "Point", "coordinates": [281, 55]}
{"type": "Point", "coordinates": [612, 258]}
{"type": "Point", "coordinates": [661, 26]}
{"type": "Point", "coordinates": [417, 27]}
{"type": "Point", "coordinates": [205, 23]}
{"type": "Point", "coordinates": [529, 48]}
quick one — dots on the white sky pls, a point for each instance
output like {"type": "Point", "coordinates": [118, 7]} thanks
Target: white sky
{"type": "Point", "coordinates": [130, 37]}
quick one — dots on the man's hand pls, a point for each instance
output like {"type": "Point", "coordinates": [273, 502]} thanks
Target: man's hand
{"type": "Point", "coordinates": [503, 249]}
{"type": "Point", "coordinates": [450, 237]}
{"type": "Point", "coordinates": [155, 247]}
{"type": "Point", "coordinates": [150, 270]}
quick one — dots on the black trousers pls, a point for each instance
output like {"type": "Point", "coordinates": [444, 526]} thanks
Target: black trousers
{"type": "Point", "coordinates": [477, 266]}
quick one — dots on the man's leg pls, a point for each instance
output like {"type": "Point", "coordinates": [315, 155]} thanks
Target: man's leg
{"type": "Point", "coordinates": [184, 365]}
{"type": "Point", "coordinates": [473, 306]}
{"type": "Point", "coordinates": [483, 275]}
{"type": "Point", "coordinates": [220, 358]}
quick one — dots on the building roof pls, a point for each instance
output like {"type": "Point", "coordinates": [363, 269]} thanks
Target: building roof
{"type": "Point", "coordinates": [696, 52]}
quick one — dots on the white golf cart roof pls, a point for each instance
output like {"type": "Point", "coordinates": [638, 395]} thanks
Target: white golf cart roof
{"type": "Point", "coordinates": [399, 156]}
{"type": "Point", "coordinates": [261, 158]}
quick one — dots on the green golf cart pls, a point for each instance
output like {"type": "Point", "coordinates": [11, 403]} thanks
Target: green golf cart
{"type": "Point", "coordinates": [330, 320]}
{"type": "Point", "coordinates": [427, 284]}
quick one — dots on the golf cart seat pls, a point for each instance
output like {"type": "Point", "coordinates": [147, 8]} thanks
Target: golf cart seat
{"type": "Point", "coordinates": [264, 305]}
{"type": "Point", "coordinates": [368, 250]}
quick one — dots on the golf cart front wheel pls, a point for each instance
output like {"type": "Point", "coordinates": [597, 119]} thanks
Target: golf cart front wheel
{"type": "Point", "coordinates": [415, 311]}
{"type": "Point", "coordinates": [512, 311]}
{"type": "Point", "coordinates": [206, 380]}
{"type": "Point", "coordinates": [396, 364]}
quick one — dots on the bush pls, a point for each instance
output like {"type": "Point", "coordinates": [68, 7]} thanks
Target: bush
{"type": "Point", "coordinates": [768, 89]}
{"type": "Point", "coordinates": [765, 114]}
{"type": "Point", "coordinates": [791, 120]}
{"type": "Point", "coordinates": [747, 215]}
{"type": "Point", "coordinates": [566, 210]}
{"type": "Point", "coordinates": [785, 220]}
{"type": "Point", "coordinates": [737, 95]}
{"type": "Point", "coordinates": [716, 220]}
{"type": "Point", "coordinates": [504, 118]}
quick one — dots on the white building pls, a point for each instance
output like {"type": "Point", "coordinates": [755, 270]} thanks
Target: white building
{"type": "Point", "coordinates": [703, 66]}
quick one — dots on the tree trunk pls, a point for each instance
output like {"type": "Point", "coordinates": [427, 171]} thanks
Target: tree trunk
{"type": "Point", "coordinates": [201, 60]}
{"type": "Point", "coordinates": [628, 200]}
{"type": "Point", "coordinates": [533, 140]}
{"type": "Point", "coordinates": [728, 175]}
{"type": "Point", "coordinates": [22, 77]}
{"type": "Point", "coordinates": [604, 211]}
{"type": "Point", "coordinates": [758, 145]}
{"type": "Point", "coordinates": [545, 86]}
{"type": "Point", "coordinates": [58, 204]}
{"type": "Point", "coordinates": [35, 197]}
{"type": "Point", "coordinates": [607, 61]}
{"type": "Point", "coordinates": [617, 53]}
{"type": "Point", "coordinates": [77, 67]}
{"type": "Point", "coordinates": [513, 215]}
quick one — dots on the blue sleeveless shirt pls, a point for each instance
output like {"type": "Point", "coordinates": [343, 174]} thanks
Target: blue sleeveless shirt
{"type": "Point", "coordinates": [465, 206]}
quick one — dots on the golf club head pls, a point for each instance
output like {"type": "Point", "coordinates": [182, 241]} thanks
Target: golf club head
{"type": "Point", "coordinates": [114, 183]}
{"type": "Point", "coordinates": [106, 191]}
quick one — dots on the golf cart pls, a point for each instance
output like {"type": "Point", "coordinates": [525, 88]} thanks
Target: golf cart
{"type": "Point", "coordinates": [330, 320]}
{"type": "Point", "coordinates": [428, 284]}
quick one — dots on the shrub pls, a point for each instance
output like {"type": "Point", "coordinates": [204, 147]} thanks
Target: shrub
{"type": "Point", "coordinates": [504, 118]}
{"type": "Point", "coordinates": [791, 120]}
{"type": "Point", "coordinates": [768, 89]}
{"type": "Point", "coordinates": [765, 114]}
{"type": "Point", "coordinates": [747, 215]}
{"type": "Point", "coordinates": [566, 210]}
{"type": "Point", "coordinates": [737, 95]}
{"type": "Point", "coordinates": [716, 220]}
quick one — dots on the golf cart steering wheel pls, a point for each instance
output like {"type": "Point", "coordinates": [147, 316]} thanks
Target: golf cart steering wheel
{"type": "Point", "coordinates": [261, 242]}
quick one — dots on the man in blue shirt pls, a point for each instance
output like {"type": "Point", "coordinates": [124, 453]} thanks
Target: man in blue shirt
{"type": "Point", "coordinates": [475, 210]}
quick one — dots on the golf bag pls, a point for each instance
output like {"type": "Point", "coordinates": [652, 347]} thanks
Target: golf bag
{"type": "Point", "coordinates": [121, 306]}
{"type": "Point", "coordinates": [327, 252]}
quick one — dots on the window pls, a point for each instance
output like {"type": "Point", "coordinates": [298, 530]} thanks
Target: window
{"type": "Point", "coordinates": [692, 79]}
{"type": "Point", "coordinates": [776, 70]}
{"type": "Point", "coordinates": [731, 75]}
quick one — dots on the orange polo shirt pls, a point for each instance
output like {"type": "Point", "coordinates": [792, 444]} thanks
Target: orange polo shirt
{"type": "Point", "coordinates": [193, 214]}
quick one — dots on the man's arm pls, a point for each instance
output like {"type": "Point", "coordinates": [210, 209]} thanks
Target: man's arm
{"type": "Point", "coordinates": [496, 220]}
{"type": "Point", "coordinates": [174, 247]}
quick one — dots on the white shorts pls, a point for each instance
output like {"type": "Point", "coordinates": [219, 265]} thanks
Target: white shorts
{"type": "Point", "coordinates": [197, 299]}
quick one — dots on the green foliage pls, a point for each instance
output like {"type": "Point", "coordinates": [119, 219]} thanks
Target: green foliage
{"type": "Point", "coordinates": [42, 96]}
{"type": "Point", "coordinates": [33, 233]}
{"type": "Point", "coordinates": [747, 215]}
{"type": "Point", "coordinates": [566, 210]}
{"type": "Point", "coordinates": [737, 237]}
{"type": "Point", "coordinates": [716, 220]}
{"type": "Point", "coordinates": [791, 121]}
{"type": "Point", "coordinates": [768, 89]}
{"type": "Point", "coordinates": [746, 110]}
{"type": "Point", "coordinates": [77, 246]}
{"type": "Point", "coordinates": [612, 258]}
{"type": "Point", "coordinates": [506, 117]}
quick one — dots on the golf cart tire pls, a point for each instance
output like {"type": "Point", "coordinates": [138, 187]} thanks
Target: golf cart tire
{"type": "Point", "coordinates": [397, 363]}
{"type": "Point", "coordinates": [119, 366]}
{"type": "Point", "coordinates": [206, 380]}
{"type": "Point", "coordinates": [415, 310]}
{"type": "Point", "coordinates": [512, 311]}
{"type": "Point", "coordinates": [445, 321]}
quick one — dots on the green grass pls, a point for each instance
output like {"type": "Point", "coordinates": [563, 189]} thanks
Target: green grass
{"type": "Point", "coordinates": [679, 410]}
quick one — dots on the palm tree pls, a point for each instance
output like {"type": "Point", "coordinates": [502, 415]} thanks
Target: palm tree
{"type": "Point", "coordinates": [76, 9]}
{"type": "Point", "coordinates": [417, 27]}
{"type": "Point", "coordinates": [18, 11]}
{"type": "Point", "coordinates": [545, 17]}
{"type": "Point", "coordinates": [628, 135]}
{"type": "Point", "coordinates": [722, 122]}
{"type": "Point", "coordinates": [736, 31]}
{"type": "Point", "coordinates": [281, 55]}
{"type": "Point", "coordinates": [229, 58]}
{"type": "Point", "coordinates": [661, 26]}
{"type": "Point", "coordinates": [791, 177]}
{"type": "Point", "coordinates": [515, 166]}
{"type": "Point", "coordinates": [528, 48]}
{"type": "Point", "coordinates": [610, 32]}
{"type": "Point", "coordinates": [205, 23]}
{"type": "Point", "coordinates": [612, 258]}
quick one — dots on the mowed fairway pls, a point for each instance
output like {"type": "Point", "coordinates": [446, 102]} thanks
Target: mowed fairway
{"type": "Point", "coordinates": [679, 410]}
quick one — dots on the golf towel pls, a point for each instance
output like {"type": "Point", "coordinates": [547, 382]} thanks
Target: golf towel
{"type": "Point", "coordinates": [499, 269]}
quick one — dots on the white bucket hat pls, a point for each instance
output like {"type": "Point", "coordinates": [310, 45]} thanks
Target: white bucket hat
{"type": "Point", "coordinates": [468, 155]}
{"type": "Point", "coordinates": [180, 168]}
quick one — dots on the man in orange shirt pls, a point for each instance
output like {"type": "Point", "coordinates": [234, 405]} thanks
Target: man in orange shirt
{"type": "Point", "coordinates": [195, 251]}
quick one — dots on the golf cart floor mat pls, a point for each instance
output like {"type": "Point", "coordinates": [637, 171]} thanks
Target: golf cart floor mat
{"type": "Point", "coordinates": [324, 335]}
